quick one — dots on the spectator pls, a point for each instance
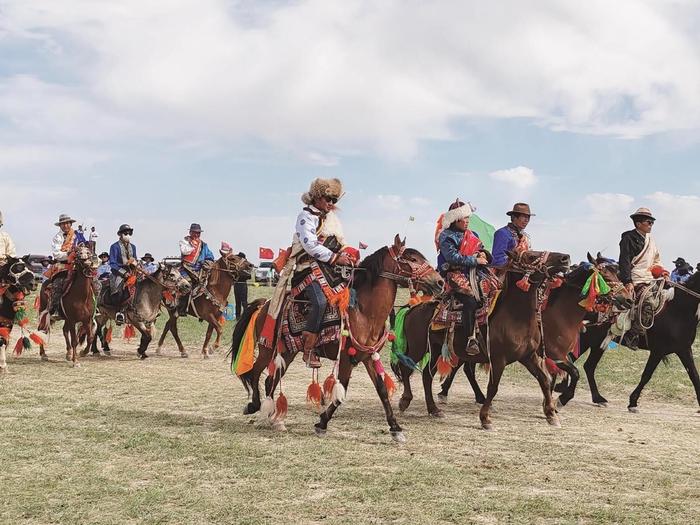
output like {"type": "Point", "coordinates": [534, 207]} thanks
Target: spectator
{"type": "Point", "coordinates": [45, 264]}
{"type": "Point", "coordinates": [682, 272]}
{"type": "Point", "coordinates": [240, 290]}
{"type": "Point", "coordinates": [149, 266]}
{"type": "Point", "coordinates": [93, 240]}
{"type": "Point", "coordinates": [104, 270]}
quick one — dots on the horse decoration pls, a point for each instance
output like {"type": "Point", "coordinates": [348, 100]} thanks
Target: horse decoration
{"type": "Point", "coordinates": [512, 333]}
{"type": "Point", "coordinates": [592, 287]}
{"type": "Point", "coordinates": [350, 336]}
{"type": "Point", "coordinates": [206, 302]}
{"type": "Point", "coordinates": [143, 306]}
{"type": "Point", "coordinates": [16, 282]}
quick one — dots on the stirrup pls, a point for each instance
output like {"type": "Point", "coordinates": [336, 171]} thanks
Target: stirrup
{"type": "Point", "coordinates": [119, 318]}
{"type": "Point", "coordinates": [473, 347]}
{"type": "Point", "coordinates": [311, 359]}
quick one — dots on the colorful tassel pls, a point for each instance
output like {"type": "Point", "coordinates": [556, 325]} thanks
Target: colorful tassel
{"type": "Point", "coordinates": [37, 302]}
{"type": "Point", "coordinates": [129, 332]}
{"type": "Point", "coordinates": [314, 394]}
{"type": "Point", "coordinates": [328, 386]}
{"type": "Point", "coordinates": [26, 343]}
{"type": "Point", "coordinates": [552, 367]}
{"type": "Point", "coordinates": [444, 367]}
{"type": "Point", "coordinates": [37, 339]}
{"type": "Point", "coordinates": [222, 320]}
{"type": "Point", "coordinates": [352, 352]}
{"type": "Point", "coordinates": [5, 333]}
{"type": "Point", "coordinates": [131, 281]}
{"type": "Point", "coordinates": [281, 407]}
{"type": "Point", "coordinates": [524, 283]}
{"type": "Point", "coordinates": [108, 335]}
{"type": "Point", "coordinates": [18, 347]}
{"type": "Point", "coordinates": [390, 385]}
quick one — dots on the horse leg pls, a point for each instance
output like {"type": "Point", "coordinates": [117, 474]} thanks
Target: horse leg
{"type": "Point", "coordinates": [66, 336]}
{"type": "Point", "coordinates": [3, 357]}
{"type": "Point", "coordinates": [344, 372]}
{"type": "Point", "coordinates": [446, 384]}
{"type": "Point", "coordinates": [72, 332]}
{"type": "Point", "coordinates": [271, 382]}
{"type": "Point", "coordinates": [470, 372]}
{"type": "Point", "coordinates": [166, 329]}
{"type": "Point", "coordinates": [219, 330]}
{"type": "Point", "coordinates": [379, 385]}
{"type": "Point", "coordinates": [176, 336]}
{"type": "Point", "coordinates": [497, 367]}
{"type": "Point", "coordinates": [653, 361]}
{"type": "Point", "coordinates": [42, 353]}
{"type": "Point", "coordinates": [589, 367]}
{"type": "Point", "coordinates": [252, 379]}
{"type": "Point", "coordinates": [146, 337]}
{"type": "Point", "coordinates": [567, 393]}
{"type": "Point", "coordinates": [428, 373]}
{"type": "Point", "coordinates": [407, 395]}
{"type": "Point", "coordinates": [536, 366]}
{"type": "Point", "coordinates": [689, 365]}
{"type": "Point", "coordinates": [210, 329]}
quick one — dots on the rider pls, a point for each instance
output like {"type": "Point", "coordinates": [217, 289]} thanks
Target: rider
{"type": "Point", "coordinates": [148, 264]}
{"type": "Point", "coordinates": [62, 245]}
{"type": "Point", "coordinates": [195, 256]}
{"type": "Point", "coordinates": [640, 265]}
{"type": "Point", "coordinates": [461, 250]}
{"type": "Point", "coordinates": [512, 236]}
{"type": "Point", "coordinates": [682, 272]}
{"type": "Point", "coordinates": [122, 257]}
{"type": "Point", "coordinates": [7, 246]}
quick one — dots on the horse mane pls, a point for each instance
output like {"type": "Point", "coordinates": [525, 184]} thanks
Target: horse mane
{"type": "Point", "coordinates": [576, 278]}
{"type": "Point", "coordinates": [370, 269]}
{"type": "Point", "coordinates": [214, 276]}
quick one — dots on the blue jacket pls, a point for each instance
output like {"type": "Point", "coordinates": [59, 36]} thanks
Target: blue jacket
{"type": "Point", "coordinates": [205, 254]}
{"type": "Point", "coordinates": [680, 278]}
{"type": "Point", "coordinates": [449, 256]}
{"type": "Point", "coordinates": [504, 240]}
{"type": "Point", "coordinates": [115, 257]}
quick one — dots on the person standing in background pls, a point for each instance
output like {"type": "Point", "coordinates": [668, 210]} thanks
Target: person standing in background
{"type": "Point", "coordinates": [240, 290]}
{"type": "Point", "coordinates": [93, 240]}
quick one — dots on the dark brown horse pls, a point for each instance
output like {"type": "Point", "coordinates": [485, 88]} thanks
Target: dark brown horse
{"type": "Point", "coordinates": [78, 304]}
{"type": "Point", "coordinates": [512, 334]}
{"type": "Point", "coordinates": [210, 304]}
{"type": "Point", "coordinates": [561, 322]}
{"type": "Point", "coordinates": [16, 281]}
{"type": "Point", "coordinates": [374, 285]}
{"type": "Point", "coordinates": [673, 332]}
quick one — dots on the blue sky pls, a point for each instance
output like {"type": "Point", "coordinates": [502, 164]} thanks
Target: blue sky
{"type": "Point", "coordinates": [169, 112]}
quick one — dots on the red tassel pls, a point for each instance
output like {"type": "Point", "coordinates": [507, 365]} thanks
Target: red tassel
{"type": "Point", "coordinates": [129, 332]}
{"type": "Point", "coordinates": [352, 351]}
{"type": "Point", "coordinates": [37, 339]}
{"type": "Point", "coordinates": [108, 335]}
{"type": "Point", "coordinates": [18, 347]}
{"type": "Point", "coordinates": [556, 282]}
{"type": "Point", "coordinates": [37, 302]}
{"type": "Point", "coordinates": [523, 284]}
{"type": "Point", "coordinates": [444, 367]}
{"type": "Point", "coordinates": [281, 407]}
{"type": "Point", "coordinates": [222, 320]}
{"type": "Point", "coordinates": [390, 385]}
{"type": "Point", "coordinates": [23, 322]}
{"type": "Point", "coordinates": [4, 333]}
{"type": "Point", "coordinates": [314, 394]}
{"type": "Point", "coordinates": [130, 281]}
{"type": "Point", "coordinates": [552, 367]}
{"type": "Point", "coordinates": [454, 360]}
{"type": "Point", "coordinates": [328, 385]}
{"type": "Point", "coordinates": [391, 338]}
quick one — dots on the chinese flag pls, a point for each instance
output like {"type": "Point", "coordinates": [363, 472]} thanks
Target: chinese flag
{"type": "Point", "coordinates": [266, 253]}
{"type": "Point", "coordinates": [281, 251]}
{"type": "Point", "coordinates": [362, 246]}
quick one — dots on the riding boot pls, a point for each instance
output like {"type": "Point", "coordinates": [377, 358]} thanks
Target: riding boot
{"type": "Point", "coordinates": [309, 340]}
{"type": "Point", "coordinates": [182, 305]}
{"type": "Point", "coordinates": [56, 293]}
{"type": "Point", "coordinates": [469, 321]}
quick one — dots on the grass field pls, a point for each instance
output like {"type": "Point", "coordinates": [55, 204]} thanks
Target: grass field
{"type": "Point", "coordinates": [164, 441]}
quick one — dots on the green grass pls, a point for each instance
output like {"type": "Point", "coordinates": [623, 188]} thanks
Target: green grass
{"type": "Point", "coordinates": [163, 441]}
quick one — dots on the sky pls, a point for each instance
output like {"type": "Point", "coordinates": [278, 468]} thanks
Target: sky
{"type": "Point", "coordinates": [167, 112]}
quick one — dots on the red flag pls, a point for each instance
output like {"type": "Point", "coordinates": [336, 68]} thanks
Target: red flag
{"type": "Point", "coordinates": [281, 251]}
{"type": "Point", "coordinates": [266, 253]}
{"type": "Point", "coordinates": [362, 246]}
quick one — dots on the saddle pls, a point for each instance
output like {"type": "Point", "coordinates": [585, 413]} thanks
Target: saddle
{"type": "Point", "coordinates": [294, 314]}
{"type": "Point", "coordinates": [448, 312]}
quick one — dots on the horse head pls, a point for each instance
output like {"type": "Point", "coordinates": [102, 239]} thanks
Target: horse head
{"type": "Point", "coordinates": [235, 265]}
{"type": "Point", "coordinates": [609, 270]}
{"type": "Point", "coordinates": [539, 265]}
{"type": "Point", "coordinates": [86, 261]}
{"type": "Point", "coordinates": [17, 274]}
{"type": "Point", "coordinates": [173, 279]}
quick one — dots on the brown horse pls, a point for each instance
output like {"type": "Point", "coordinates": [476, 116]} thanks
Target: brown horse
{"type": "Point", "coordinates": [512, 334]}
{"type": "Point", "coordinates": [561, 322]}
{"type": "Point", "coordinates": [77, 304]}
{"type": "Point", "coordinates": [374, 285]}
{"type": "Point", "coordinates": [16, 281]}
{"type": "Point", "coordinates": [209, 305]}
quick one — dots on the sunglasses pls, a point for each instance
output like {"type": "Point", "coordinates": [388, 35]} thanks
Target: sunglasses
{"type": "Point", "coordinates": [648, 221]}
{"type": "Point", "coordinates": [332, 200]}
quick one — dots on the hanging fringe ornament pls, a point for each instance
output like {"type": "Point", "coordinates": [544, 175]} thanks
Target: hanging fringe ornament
{"type": "Point", "coordinates": [267, 409]}
{"type": "Point", "coordinates": [18, 347]}
{"type": "Point", "coordinates": [129, 332]}
{"type": "Point", "coordinates": [390, 385]}
{"type": "Point", "coordinates": [314, 394]}
{"type": "Point", "coordinates": [524, 283]}
{"type": "Point", "coordinates": [328, 385]}
{"type": "Point", "coordinates": [281, 407]}
{"type": "Point", "coordinates": [5, 334]}
{"type": "Point", "coordinates": [352, 352]}
{"type": "Point", "coordinates": [37, 339]}
{"type": "Point", "coordinates": [37, 302]}
{"type": "Point", "coordinates": [222, 320]}
{"type": "Point", "coordinates": [26, 343]}
{"type": "Point", "coordinates": [444, 367]}
{"type": "Point", "coordinates": [552, 367]}
{"type": "Point", "coordinates": [131, 281]}
{"type": "Point", "coordinates": [338, 394]}
{"type": "Point", "coordinates": [108, 335]}
{"type": "Point", "coordinates": [378, 366]}
{"type": "Point", "coordinates": [556, 283]}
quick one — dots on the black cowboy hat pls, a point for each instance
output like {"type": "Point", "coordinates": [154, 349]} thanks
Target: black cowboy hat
{"type": "Point", "coordinates": [147, 256]}
{"type": "Point", "coordinates": [680, 260]}
{"type": "Point", "coordinates": [124, 228]}
{"type": "Point", "coordinates": [103, 254]}
{"type": "Point", "coordinates": [194, 227]}
{"type": "Point", "coordinates": [520, 208]}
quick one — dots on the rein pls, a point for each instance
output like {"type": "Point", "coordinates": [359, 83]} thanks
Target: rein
{"type": "Point", "coordinates": [685, 289]}
{"type": "Point", "coordinates": [153, 279]}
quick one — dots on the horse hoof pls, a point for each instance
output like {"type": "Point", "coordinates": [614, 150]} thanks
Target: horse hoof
{"type": "Point", "coordinates": [438, 414]}
{"type": "Point", "coordinates": [398, 436]}
{"type": "Point", "coordinates": [83, 353]}
{"type": "Point", "coordinates": [205, 356]}
{"type": "Point", "coordinates": [442, 399]}
{"type": "Point", "coordinates": [480, 400]}
{"type": "Point", "coordinates": [3, 370]}
{"type": "Point", "coordinates": [142, 356]}
{"type": "Point", "coordinates": [106, 353]}
{"type": "Point", "coordinates": [278, 426]}
{"type": "Point", "coordinates": [67, 358]}
{"type": "Point", "coordinates": [560, 404]}
{"type": "Point", "coordinates": [403, 404]}
{"type": "Point", "coordinates": [44, 358]}
{"type": "Point", "coordinates": [601, 404]}
{"type": "Point", "coordinates": [320, 432]}
{"type": "Point", "coordinates": [488, 427]}
{"type": "Point", "coordinates": [183, 354]}
{"type": "Point", "coordinates": [554, 422]}
{"type": "Point", "coordinates": [158, 351]}
{"type": "Point", "coordinates": [75, 365]}
{"type": "Point", "coordinates": [210, 351]}
{"type": "Point", "coordinates": [634, 410]}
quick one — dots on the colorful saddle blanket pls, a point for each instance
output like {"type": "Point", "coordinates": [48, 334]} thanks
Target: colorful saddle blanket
{"type": "Point", "coordinates": [449, 310]}
{"type": "Point", "coordinates": [294, 314]}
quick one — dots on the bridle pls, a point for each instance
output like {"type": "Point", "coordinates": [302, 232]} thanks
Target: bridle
{"type": "Point", "coordinates": [415, 271]}
{"type": "Point", "coordinates": [164, 283]}
{"type": "Point", "coordinates": [232, 267]}
{"type": "Point", "coordinates": [16, 276]}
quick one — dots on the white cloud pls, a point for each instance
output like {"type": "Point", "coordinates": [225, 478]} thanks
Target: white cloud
{"type": "Point", "coordinates": [389, 202]}
{"type": "Point", "coordinates": [353, 75]}
{"type": "Point", "coordinates": [520, 177]}
{"type": "Point", "coordinates": [606, 205]}
{"type": "Point", "coordinates": [420, 201]}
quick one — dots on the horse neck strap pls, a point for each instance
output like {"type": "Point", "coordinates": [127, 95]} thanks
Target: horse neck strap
{"type": "Point", "coordinates": [370, 349]}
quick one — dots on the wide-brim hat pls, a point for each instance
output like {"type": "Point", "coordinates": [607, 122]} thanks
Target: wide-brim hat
{"type": "Point", "coordinates": [520, 208]}
{"type": "Point", "coordinates": [642, 213]}
{"type": "Point", "coordinates": [147, 257]}
{"type": "Point", "coordinates": [103, 254]}
{"type": "Point", "coordinates": [680, 260]}
{"type": "Point", "coordinates": [323, 188]}
{"type": "Point", "coordinates": [63, 218]}
{"type": "Point", "coordinates": [125, 228]}
{"type": "Point", "coordinates": [194, 227]}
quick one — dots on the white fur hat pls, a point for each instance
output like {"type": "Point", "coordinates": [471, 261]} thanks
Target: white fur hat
{"type": "Point", "coordinates": [458, 211]}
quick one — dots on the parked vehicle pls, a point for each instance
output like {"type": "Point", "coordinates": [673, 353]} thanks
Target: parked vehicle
{"type": "Point", "coordinates": [266, 273]}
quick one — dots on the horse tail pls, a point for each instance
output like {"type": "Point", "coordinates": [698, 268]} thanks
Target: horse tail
{"type": "Point", "coordinates": [398, 345]}
{"type": "Point", "coordinates": [239, 332]}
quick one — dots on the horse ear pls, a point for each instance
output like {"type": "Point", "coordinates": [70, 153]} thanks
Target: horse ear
{"type": "Point", "coordinates": [590, 258]}
{"type": "Point", "coordinates": [26, 258]}
{"type": "Point", "coordinates": [403, 243]}
{"type": "Point", "coordinates": [397, 241]}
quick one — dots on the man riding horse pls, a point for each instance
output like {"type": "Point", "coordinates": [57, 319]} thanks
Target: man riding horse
{"type": "Point", "coordinates": [512, 236]}
{"type": "Point", "coordinates": [7, 245]}
{"type": "Point", "coordinates": [122, 257]}
{"type": "Point", "coordinates": [196, 261]}
{"type": "Point", "coordinates": [640, 266]}
{"type": "Point", "coordinates": [460, 251]}
{"type": "Point", "coordinates": [62, 244]}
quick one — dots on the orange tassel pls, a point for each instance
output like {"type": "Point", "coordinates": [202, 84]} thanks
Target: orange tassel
{"type": "Point", "coordinates": [37, 302]}
{"type": "Point", "coordinates": [168, 296]}
{"type": "Point", "coordinates": [454, 360]}
{"type": "Point", "coordinates": [281, 407]}
{"type": "Point", "coordinates": [131, 281]}
{"type": "Point", "coordinates": [108, 335]}
{"type": "Point", "coordinates": [444, 367]}
{"type": "Point", "coordinates": [5, 333]}
{"type": "Point", "coordinates": [341, 300]}
{"type": "Point", "coordinates": [390, 385]}
{"type": "Point", "coordinates": [523, 284]}
{"type": "Point", "coordinates": [222, 320]}
{"type": "Point", "coordinates": [313, 394]}
{"type": "Point", "coordinates": [129, 332]}
{"type": "Point", "coordinates": [23, 322]}
{"type": "Point", "coordinates": [328, 385]}
{"type": "Point", "coordinates": [37, 339]}
{"type": "Point", "coordinates": [18, 347]}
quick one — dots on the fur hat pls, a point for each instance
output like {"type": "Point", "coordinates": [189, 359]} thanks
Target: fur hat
{"type": "Point", "coordinates": [323, 188]}
{"type": "Point", "coordinates": [458, 210]}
